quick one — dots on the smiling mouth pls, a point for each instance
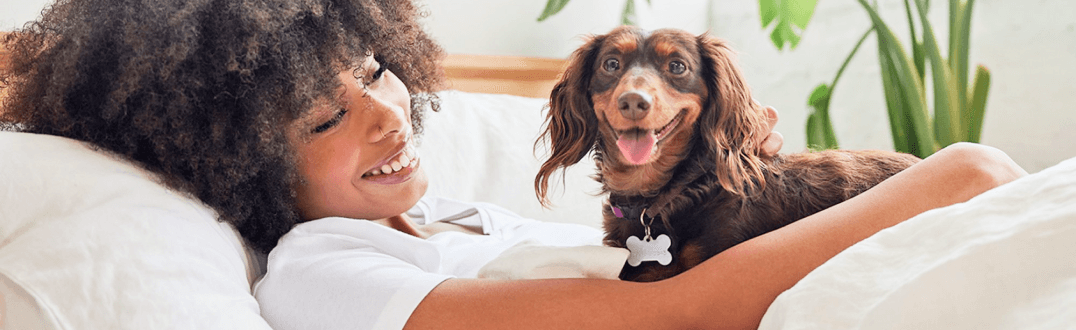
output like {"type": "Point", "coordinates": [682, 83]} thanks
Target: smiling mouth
{"type": "Point", "coordinates": [403, 163]}
{"type": "Point", "coordinates": [658, 134]}
{"type": "Point", "coordinates": [637, 145]}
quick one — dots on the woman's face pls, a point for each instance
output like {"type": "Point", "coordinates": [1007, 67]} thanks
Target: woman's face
{"type": "Point", "coordinates": [356, 155]}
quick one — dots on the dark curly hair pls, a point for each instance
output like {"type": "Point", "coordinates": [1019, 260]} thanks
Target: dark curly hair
{"type": "Point", "coordinates": [200, 91]}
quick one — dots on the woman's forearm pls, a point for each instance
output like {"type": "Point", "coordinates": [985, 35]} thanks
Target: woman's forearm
{"type": "Point", "coordinates": [731, 290]}
{"type": "Point", "coordinates": [755, 272]}
{"type": "Point", "coordinates": [476, 304]}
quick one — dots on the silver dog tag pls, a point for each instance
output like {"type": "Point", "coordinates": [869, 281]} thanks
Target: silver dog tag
{"type": "Point", "coordinates": [649, 250]}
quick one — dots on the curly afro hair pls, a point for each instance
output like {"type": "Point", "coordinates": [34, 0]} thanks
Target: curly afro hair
{"type": "Point", "coordinates": [200, 91]}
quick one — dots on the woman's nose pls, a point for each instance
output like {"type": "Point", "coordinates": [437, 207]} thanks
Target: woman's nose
{"type": "Point", "coordinates": [387, 122]}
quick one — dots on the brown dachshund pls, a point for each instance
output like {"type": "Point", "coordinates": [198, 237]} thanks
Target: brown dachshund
{"type": "Point", "coordinates": [675, 135]}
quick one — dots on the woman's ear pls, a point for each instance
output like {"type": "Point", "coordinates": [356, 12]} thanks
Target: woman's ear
{"type": "Point", "coordinates": [732, 123]}
{"type": "Point", "coordinates": [571, 126]}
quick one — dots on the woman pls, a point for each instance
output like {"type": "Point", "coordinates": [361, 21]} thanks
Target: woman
{"type": "Point", "coordinates": [277, 113]}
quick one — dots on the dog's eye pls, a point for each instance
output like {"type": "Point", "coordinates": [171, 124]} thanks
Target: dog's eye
{"type": "Point", "coordinates": [611, 65]}
{"type": "Point", "coordinates": [677, 67]}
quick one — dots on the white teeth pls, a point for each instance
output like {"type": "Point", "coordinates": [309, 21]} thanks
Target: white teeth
{"type": "Point", "coordinates": [408, 158]}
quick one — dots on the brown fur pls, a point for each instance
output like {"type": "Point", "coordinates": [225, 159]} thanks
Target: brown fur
{"type": "Point", "coordinates": [706, 185]}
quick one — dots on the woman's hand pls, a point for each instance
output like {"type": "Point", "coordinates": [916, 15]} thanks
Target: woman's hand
{"type": "Point", "coordinates": [771, 145]}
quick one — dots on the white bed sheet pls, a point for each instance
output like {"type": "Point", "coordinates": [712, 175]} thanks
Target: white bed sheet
{"type": "Point", "coordinates": [1003, 260]}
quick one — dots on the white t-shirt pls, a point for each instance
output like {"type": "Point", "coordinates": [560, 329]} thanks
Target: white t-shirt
{"type": "Point", "coordinates": [338, 273]}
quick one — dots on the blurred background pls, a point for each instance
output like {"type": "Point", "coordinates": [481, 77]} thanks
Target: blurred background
{"type": "Point", "coordinates": [1028, 46]}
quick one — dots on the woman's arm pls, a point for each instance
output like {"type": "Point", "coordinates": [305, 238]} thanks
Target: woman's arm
{"type": "Point", "coordinates": [753, 273]}
{"type": "Point", "coordinates": [731, 290]}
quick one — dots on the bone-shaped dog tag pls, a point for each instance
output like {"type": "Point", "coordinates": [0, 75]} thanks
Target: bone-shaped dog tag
{"type": "Point", "coordinates": [649, 250]}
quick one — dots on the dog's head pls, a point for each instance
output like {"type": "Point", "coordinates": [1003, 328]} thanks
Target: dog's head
{"type": "Point", "coordinates": [642, 100]}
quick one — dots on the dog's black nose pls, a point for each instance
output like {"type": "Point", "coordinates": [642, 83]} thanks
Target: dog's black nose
{"type": "Point", "coordinates": [634, 104]}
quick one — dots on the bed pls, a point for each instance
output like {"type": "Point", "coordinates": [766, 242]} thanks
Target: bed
{"type": "Point", "coordinates": [89, 241]}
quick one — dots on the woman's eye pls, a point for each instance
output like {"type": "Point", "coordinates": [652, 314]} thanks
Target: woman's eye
{"type": "Point", "coordinates": [611, 65]}
{"type": "Point", "coordinates": [330, 123]}
{"type": "Point", "coordinates": [376, 76]}
{"type": "Point", "coordinates": [677, 67]}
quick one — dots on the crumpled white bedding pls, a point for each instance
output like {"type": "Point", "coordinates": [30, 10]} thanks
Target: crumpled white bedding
{"type": "Point", "coordinates": [529, 260]}
{"type": "Point", "coordinates": [1003, 260]}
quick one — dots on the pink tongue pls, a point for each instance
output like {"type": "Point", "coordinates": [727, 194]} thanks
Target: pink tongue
{"type": "Point", "coordinates": [636, 147]}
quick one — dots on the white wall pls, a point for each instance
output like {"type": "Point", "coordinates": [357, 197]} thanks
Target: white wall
{"type": "Point", "coordinates": [13, 13]}
{"type": "Point", "coordinates": [1029, 46]}
{"type": "Point", "coordinates": [509, 27]}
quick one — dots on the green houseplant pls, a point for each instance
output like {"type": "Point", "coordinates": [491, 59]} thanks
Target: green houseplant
{"type": "Point", "coordinates": [958, 109]}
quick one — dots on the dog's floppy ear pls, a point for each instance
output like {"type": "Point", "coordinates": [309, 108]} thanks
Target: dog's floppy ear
{"type": "Point", "coordinates": [731, 123]}
{"type": "Point", "coordinates": [571, 126]}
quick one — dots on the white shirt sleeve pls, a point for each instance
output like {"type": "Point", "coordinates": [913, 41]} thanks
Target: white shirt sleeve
{"type": "Point", "coordinates": [338, 273]}
{"type": "Point", "coordinates": [333, 274]}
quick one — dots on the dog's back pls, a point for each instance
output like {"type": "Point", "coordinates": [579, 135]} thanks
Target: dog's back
{"type": "Point", "coordinates": [710, 220]}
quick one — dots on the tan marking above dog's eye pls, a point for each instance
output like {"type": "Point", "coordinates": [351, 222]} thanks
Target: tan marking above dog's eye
{"type": "Point", "coordinates": [611, 65]}
{"type": "Point", "coordinates": [677, 67]}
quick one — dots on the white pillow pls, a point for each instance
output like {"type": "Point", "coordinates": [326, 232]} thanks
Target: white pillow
{"type": "Point", "coordinates": [479, 148]}
{"type": "Point", "coordinates": [96, 243]}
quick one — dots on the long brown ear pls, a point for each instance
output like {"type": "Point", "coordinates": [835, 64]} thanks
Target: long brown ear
{"type": "Point", "coordinates": [732, 122]}
{"type": "Point", "coordinates": [570, 126]}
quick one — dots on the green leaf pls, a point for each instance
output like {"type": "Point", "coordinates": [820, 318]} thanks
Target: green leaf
{"type": "Point", "coordinates": [783, 15]}
{"type": "Point", "coordinates": [959, 43]}
{"type": "Point", "coordinates": [768, 10]}
{"type": "Point", "coordinates": [628, 16]}
{"type": "Point", "coordinates": [917, 46]}
{"type": "Point", "coordinates": [820, 133]}
{"type": "Point", "coordinates": [552, 8]}
{"type": "Point", "coordinates": [782, 34]}
{"type": "Point", "coordinates": [947, 122]}
{"type": "Point", "coordinates": [954, 14]}
{"type": "Point", "coordinates": [819, 96]}
{"type": "Point", "coordinates": [814, 133]}
{"type": "Point", "coordinates": [919, 59]}
{"type": "Point", "coordinates": [977, 104]}
{"type": "Point", "coordinates": [905, 99]}
{"type": "Point", "coordinates": [816, 139]}
{"type": "Point", "coordinates": [899, 127]}
{"type": "Point", "coordinates": [799, 11]}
